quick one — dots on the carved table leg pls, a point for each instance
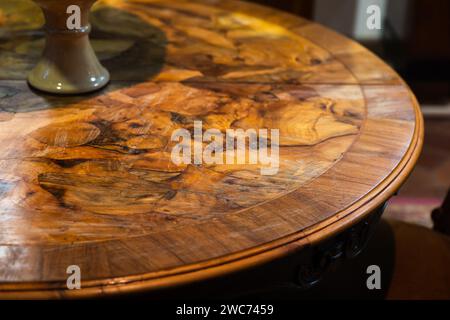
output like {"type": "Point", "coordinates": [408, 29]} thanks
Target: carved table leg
{"type": "Point", "coordinates": [69, 64]}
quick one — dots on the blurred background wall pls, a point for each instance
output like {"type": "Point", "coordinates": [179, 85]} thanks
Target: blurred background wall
{"type": "Point", "coordinates": [414, 38]}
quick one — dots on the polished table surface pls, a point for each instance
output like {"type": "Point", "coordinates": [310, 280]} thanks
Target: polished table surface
{"type": "Point", "coordinates": [88, 180]}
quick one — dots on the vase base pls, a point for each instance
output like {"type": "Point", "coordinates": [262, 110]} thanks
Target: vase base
{"type": "Point", "coordinates": [44, 80]}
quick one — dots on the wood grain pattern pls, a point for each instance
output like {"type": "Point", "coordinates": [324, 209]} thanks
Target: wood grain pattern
{"type": "Point", "coordinates": [88, 180]}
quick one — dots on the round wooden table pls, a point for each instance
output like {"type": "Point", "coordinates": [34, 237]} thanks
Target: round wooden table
{"type": "Point", "coordinates": [89, 181]}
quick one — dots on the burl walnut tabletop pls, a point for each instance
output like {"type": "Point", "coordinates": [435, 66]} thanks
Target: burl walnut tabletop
{"type": "Point", "coordinates": [88, 180]}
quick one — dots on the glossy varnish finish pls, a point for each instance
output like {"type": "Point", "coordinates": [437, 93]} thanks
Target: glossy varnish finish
{"type": "Point", "coordinates": [88, 180]}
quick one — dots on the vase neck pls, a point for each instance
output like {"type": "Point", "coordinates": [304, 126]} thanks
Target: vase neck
{"type": "Point", "coordinates": [56, 14]}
